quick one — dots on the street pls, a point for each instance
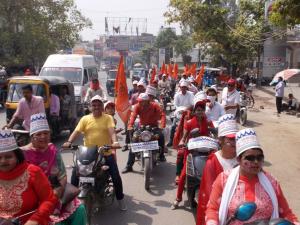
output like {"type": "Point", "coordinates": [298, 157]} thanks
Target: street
{"type": "Point", "coordinates": [279, 137]}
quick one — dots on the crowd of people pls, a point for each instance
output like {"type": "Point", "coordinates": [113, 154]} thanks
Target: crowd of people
{"type": "Point", "coordinates": [232, 175]}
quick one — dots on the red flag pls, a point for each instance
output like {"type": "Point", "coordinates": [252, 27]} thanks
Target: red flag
{"type": "Point", "coordinates": [121, 93]}
{"type": "Point", "coordinates": [153, 74]}
{"type": "Point", "coordinates": [163, 68]}
{"type": "Point", "coordinates": [193, 69]}
{"type": "Point", "coordinates": [175, 72]}
{"type": "Point", "coordinates": [186, 69]}
{"type": "Point", "coordinates": [200, 75]}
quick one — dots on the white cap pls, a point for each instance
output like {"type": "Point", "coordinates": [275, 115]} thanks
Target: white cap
{"type": "Point", "coordinates": [227, 126]}
{"type": "Point", "coordinates": [203, 142]}
{"type": "Point", "coordinates": [164, 75]}
{"type": "Point", "coordinates": [97, 97]}
{"type": "Point", "coordinates": [246, 139]}
{"type": "Point", "coordinates": [7, 141]}
{"type": "Point", "coordinates": [38, 122]}
{"type": "Point", "coordinates": [151, 90]}
{"type": "Point", "coordinates": [183, 83]}
{"type": "Point", "coordinates": [143, 97]}
{"type": "Point", "coordinates": [135, 82]}
{"type": "Point", "coordinates": [200, 97]}
{"type": "Point", "coordinates": [214, 87]}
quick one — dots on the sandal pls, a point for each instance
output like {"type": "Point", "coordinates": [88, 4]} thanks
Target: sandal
{"type": "Point", "coordinates": [175, 204]}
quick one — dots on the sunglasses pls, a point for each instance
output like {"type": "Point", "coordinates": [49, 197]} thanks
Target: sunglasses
{"type": "Point", "coordinates": [253, 158]}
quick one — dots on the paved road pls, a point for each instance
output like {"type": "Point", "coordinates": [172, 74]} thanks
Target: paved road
{"type": "Point", "coordinates": [279, 138]}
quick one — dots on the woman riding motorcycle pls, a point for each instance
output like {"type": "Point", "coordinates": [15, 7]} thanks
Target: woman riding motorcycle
{"type": "Point", "coordinates": [199, 121]}
{"type": "Point", "coordinates": [23, 187]}
{"type": "Point", "coordinates": [42, 153]}
{"type": "Point", "coordinates": [247, 182]}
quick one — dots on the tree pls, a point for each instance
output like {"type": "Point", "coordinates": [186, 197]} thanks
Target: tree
{"type": "Point", "coordinates": [146, 54]}
{"type": "Point", "coordinates": [32, 29]}
{"type": "Point", "coordinates": [182, 45]}
{"type": "Point", "coordinates": [285, 13]}
{"type": "Point", "coordinates": [232, 31]}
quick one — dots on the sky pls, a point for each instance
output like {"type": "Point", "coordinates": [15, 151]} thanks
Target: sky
{"type": "Point", "coordinates": [97, 10]}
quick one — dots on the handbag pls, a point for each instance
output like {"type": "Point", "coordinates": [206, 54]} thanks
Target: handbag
{"type": "Point", "coordinates": [70, 193]}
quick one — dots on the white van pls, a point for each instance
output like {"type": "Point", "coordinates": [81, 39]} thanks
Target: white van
{"type": "Point", "coordinates": [79, 69]}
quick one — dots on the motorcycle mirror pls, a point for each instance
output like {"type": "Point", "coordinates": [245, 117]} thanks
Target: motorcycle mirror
{"type": "Point", "coordinates": [245, 211]}
{"type": "Point", "coordinates": [280, 221]}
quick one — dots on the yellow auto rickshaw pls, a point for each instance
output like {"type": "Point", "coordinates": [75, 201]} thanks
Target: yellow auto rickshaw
{"type": "Point", "coordinates": [43, 86]}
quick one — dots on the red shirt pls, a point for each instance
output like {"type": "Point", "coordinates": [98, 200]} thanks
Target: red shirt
{"type": "Point", "coordinates": [148, 115]}
{"type": "Point", "coordinates": [202, 126]}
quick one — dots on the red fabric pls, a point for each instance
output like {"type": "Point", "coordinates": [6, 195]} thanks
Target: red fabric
{"type": "Point", "coordinates": [247, 190]}
{"type": "Point", "coordinates": [148, 115]}
{"type": "Point", "coordinates": [36, 194]}
{"type": "Point", "coordinates": [186, 115]}
{"type": "Point", "coordinates": [182, 177]}
{"type": "Point", "coordinates": [153, 74]}
{"type": "Point", "coordinates": [202, 126]}
{"type": "Point", "coordinates": [175, 71]}
{"type": "Point", "coordinates": [210, 172]}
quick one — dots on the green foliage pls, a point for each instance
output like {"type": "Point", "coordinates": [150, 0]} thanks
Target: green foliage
{"type": "Point", "coordinates": [165, 38]}
{"type": "Point", "coordinates": [285, 13]}
{"type": "Point", "coordinates": [234, 33]}
{"type": "Point", "coordinates": [32, 29]}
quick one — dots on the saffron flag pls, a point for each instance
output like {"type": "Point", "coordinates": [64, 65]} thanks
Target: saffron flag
{"type": "Point", "coordinates": [200, 75]}
{"type": "Point", "coordinates": [193, 69]}
{"type": "Point", "coordinates": [186, 69]}
{"type": "Point", "coordinates": [163, 69]}
{"type": "Point", "coordinates": [175, 71]}
{"type": "Point", "coordinates": [153, 74]}
{"type": "Point", "coordinates": [121, 93]}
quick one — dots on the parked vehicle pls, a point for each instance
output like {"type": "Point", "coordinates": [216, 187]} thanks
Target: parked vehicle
{"type": "Point", "coordinates": [95, 184]}
{"type": "Point", "coordinates": [199, 150]}
{"type": "Point", "coordinates": [41, 87]}
{"type": "Point", "coordinates": [78, 69]}
{"type": "Point", "coordinates": [110, 82]}
{"type": "Point", "coordinates": [144, 142]}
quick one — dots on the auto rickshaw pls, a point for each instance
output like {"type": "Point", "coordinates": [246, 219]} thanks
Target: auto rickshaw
{"type": "Point", "coordinates": [43, 86]}
{"type": "Point", "coordinates": [110, 82]}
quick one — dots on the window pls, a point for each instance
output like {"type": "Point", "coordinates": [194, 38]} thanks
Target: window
{"type": "Point", "coordinates": [71, 74]}
{"type": "Point", "coordinates": [85, 77]}
{"type": "Point", "coordinates": [15, 92]}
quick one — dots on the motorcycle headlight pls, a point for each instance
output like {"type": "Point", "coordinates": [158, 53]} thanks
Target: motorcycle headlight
{"type": "Point", "coordinates": [146, 135]}
{"type": "Point", "coordinates": [85, 170]}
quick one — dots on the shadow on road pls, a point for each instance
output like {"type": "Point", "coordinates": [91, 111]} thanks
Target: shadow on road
{"type": "Point", "coordinates": [252, 124]}
{"type": "Point", "coordinates": [136, 214]}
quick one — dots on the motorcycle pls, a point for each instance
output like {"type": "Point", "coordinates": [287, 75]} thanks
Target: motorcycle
{"type": "Point", "coordinates": [95, 183]}
{"type": "Point", "coordinates": [15, 220]}
{"type": "Point", "coordinates": [144, 142]}
{"type": "Point", "coordinates": [22, 136]}
{"type": "Point", "coordinates": [199, 149]}
{"type": "Point", "coordinates": [165, 99]}
{"type": "Point", "coordinates": [243, 109]}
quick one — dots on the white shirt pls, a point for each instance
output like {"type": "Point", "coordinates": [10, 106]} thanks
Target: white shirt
{"type": "Point", "coordinates": [230, 99]}
{"type": "Point", "coordinates": [279, 89]}
{"type": "Point", "coordinates": [186, 100]}
{"type": "Point", "coordinates": [214, 113]}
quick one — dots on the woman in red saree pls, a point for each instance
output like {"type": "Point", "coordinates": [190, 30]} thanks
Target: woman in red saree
{"type": "Point", "coordinates": [247, 182]}
{"type": "Point", "coordinates": [23, 187]}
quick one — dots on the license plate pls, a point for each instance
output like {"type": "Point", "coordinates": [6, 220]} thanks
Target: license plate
{"type": "Point", "coordinates": [89, 180]}
{"type": "Point", "coordinates": [144, 146]}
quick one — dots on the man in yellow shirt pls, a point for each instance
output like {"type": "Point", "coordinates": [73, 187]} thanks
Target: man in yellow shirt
{"type": "Point", "coordinates": [98, 129]}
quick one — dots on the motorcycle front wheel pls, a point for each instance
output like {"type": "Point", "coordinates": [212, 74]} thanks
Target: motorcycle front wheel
{"type": "Point", "coordinates": [88, 204]}
{"type": "Point", "coordinates": [147, 173]}
{"type": "Point", "coordinates": [243, 117]}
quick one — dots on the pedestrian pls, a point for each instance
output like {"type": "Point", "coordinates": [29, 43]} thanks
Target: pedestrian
{"type": "Point", "coordinates": [292, 102]}
{"type": "Point", "coordinates": [279, 93]}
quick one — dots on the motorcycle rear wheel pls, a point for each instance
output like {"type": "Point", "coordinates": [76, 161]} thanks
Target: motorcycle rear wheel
{"type": "Point", "coordinates": [147, 173]}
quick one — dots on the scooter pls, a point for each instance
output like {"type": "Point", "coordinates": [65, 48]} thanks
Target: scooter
{"type": "Point", "coordinates": [199, 149]}
{"type": "Point", "coordinates": [95, 183]}
{"type": "Point", "coordinates": [22, 137]}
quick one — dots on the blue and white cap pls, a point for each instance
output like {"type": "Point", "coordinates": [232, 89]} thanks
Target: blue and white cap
{"type": "Point", "coordinates": [7, 141]}
{"type": "Point", "coordinates": [227, 126]}
{"type": "Point", "coordinates": [246, 139]}
{"type": "Point", "coordinates": [38, 122]}
{"type": "Point", "coordinates": [203, 142]}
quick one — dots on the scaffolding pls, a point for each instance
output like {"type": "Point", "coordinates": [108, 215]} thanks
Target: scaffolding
{"type": "Point", "coordinates": [125, 26]}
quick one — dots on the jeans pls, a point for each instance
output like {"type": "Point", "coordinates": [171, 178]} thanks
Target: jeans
{"type": "Point", "coordinates": [161, 143]}
{"type": "Point", "coordinates": [279, 104]}
{"type": "Point", "coordinates": [173, 130]}
{"type": "Point", "coordinates": [113, 172]}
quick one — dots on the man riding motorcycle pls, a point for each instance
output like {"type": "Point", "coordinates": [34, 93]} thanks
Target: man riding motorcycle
{"type": "Point", "coordinates": [164, 84]}
{"type": "Point", "coordinates": [98, 129]}
{"type": "Point", "coordinates": [214, 110]}
{"type": "Point", "coordinates": [149, 114]}
{"type": "Point", "coordinates": [231, 98]}
{"type": "Point", "coordinates": [28, 106]}
{"type": "Point", "coordinates": [141, 87]}
{"type": "Point", "coordinates": [93, 90]}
